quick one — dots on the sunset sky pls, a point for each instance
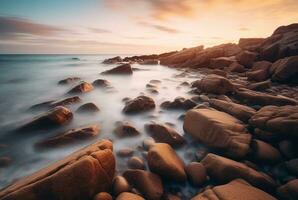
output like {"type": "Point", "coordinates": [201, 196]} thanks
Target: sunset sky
{"type": "Point", "coordinates": [135, 26]}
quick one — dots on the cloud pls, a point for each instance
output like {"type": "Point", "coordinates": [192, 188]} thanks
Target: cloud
{"type": "Point", "coordinates": [159, 27]}
{"type": "Point", "coordinates": [12, 27]}
{"type": "Point", "coordinates": [98, 30]}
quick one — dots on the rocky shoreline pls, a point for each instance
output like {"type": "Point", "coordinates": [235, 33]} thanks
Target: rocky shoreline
{"type": "Point", "coordinates": [244, 110]}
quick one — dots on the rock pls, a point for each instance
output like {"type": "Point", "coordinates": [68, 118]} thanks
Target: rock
{"type": "Point", "coordinates": [136, 163]}
{"type": "Point", "coordinates": [69, 80]}
{"type": "Point", "coordinates": [71, 136]}
{"type": "Point", "coordinates": [129, 196]}
{"type": "Point", "coordinates": [282, 43]}
{"type": "Point", "coordinates": [289, 191]}
{"type": "Point", "coordinates": [251, 44]}
{"type": "Point", "coordinates": [150, 85]}
{"type": "Point", "coordinates": [264, 152]}
{"type": "Point", "coordinates": [42, 105]}
{"type": "Point", "coordinates": [153, 81]}
{"type": "Point", "coordinates": [125, 129]}
{"type": "Point", "coordinates": [219, 72]}
{"type": "Point", "coordinates": [103, 196]}
{"type": "Point", "coordinates": [218, 130]}
{"type": "Point", "coordinates": [260, 85]}
{"type": "Point", "coordinates": [147, 183]}
{"type": "Point", "coordinates": [288, 148]}
{"type": "Point", "coordinates": [214, 84]}
{"type": "Point", "coordinates": [88, 108]}
{"type": "Point", "coordinates": [265, 65]}
{"type": "Point", "coordinates": [223, 170]}
{"type": "Point", "coordinates": [236, 67]}
{"type": "Point", "coordinates": [168, 196]}
{"type": "Point", "coordinates": [282, 121]}
{"type": "Point", "coordinates": [163, 160]}
{"type": "Point", "coordinates": [113, 60]}
{"type": "Point", "coordinates": [66, 101]}
{"type": "Point", "coordinates": [148, 143]}
{"type": "Point", "coordinates": [165, 134]}
{"type": "Point", "coordinates": [121, 69]}
{"type": "Point", "coordinates": [292, 166]}
{"type": "Point", "coordinates": [259, 98]}
{"type": "Point", "coordinates": [196, 173]}
{"type": "Point", "coordinates": [120, 185]}
{"type": "Point", "coordinates": [179, 103]}
{"type": "Point", "coordinates": [236, 189]}
{"type": "Point", "coordinates": [149, 62]}
{"type": "Point", "coordinates": [125, 152]}
{"type": "Point", "coordinates": [5, 161]}
{"type": "Point", "coordinates": [81, 88]}
{"type": "Point", "coordinates": [258, 75]}
{"type": "Point", "coordinates": [101, 83]}
{"type": "Point", "coordinates": [78, 176]}
{"type": "Point", "coordinates": [285, 70]}
{"type": "Point", "coordinates": [152, 91]}
{"type": "Point", "coordinates": [239, 111]}
{"type": "Point", "coordinates": [246, 58]}
{"type": "Point", "coordinates": [139, 104]}
{"type": "Point", "coordinates": [221, 62]}
{"type": "Point", "coordinates": [54, 117]}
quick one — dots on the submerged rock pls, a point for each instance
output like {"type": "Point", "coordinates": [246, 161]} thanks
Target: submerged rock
{"type": "Point", "coordinates": [88, 108]}
{"type": "Point", "coordinates": [66, 101]}
{"type": "Point", "coordinates": [69, 80]}
{"type": "Point", "coordinates": [81, 88]}
{"type": "Point", "coordinates": [125, 129]}
{"type": "Point", "coordinates": [121, 69]}
{"type": "Point", "coordinates": [78, 176]}
{"type": "Point", "coordinates": [113, 60]}
{"type": "Point", "coordinates": [139, 104]}
{"type": "Point", "coordinates": [101, 83]}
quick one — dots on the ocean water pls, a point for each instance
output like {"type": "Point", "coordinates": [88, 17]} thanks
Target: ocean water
{"type": "Point", "coordinates": [26, 80]}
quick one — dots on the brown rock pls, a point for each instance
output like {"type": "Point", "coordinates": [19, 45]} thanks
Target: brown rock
{"type": "Point", "coordinates": [103, 196]}
{"type": "Point", "coordinates": [69, 80]}
{"type": "Point", "coordinates": [196, 173]}
{"type": "Point", "coordinates": [136, 163]}
{"type": "Point", "coordinates": [264, 152]}
{"type": "Point", "coordinates": [163, 160]}
{"type": "Point", "coordinates": [147, 183]}
{"type": "Point", "coordinates": [139, 104]}
{"type": "Point", "coordinates": [88, 108]}
{"type": "Point", "coordinates": [149, 62]}
{"type": "Point", "coordinates": [179, 103]}
{"type": "Point", "coordinates": [218, 130]}
{"type": "Point", "coordinates": [251, 44]}
{"type": "Point", "coordinates": [65, 102]}
{"type": "Point", "coordinates": [214, 84]}
{"type": "Point", "coordinates": [148, 143]}
{"type": "Point", "coordinates": [258, 75]}
{"type": "Point", "coordinates": [120, 185]}
{"type": "Point", "coordinates": [165, 134]}
{"type": "Point", "coordinates": [219, 72]}
{"type": "Point", "coordinates": [78, 176]}
{"type": "Point", "coordinates": [113, 60]}
{"type": "Point", "coordinates": [236, 189]}
{"type": "Point", "coordinates": [121, 69]}
{"type": "Point", "coordinates": [288, 148]}
{"type": "Point", "coordinates": [289, 191]}
{"type": "Point", "coordinates": [236, 67]}
{"type": "Point", "coordinates": [54, 117]}
{"type": "Point", "coordinates": [125, 129]}
{"type": "Point", "coordinates": [129, 196]}
{"type": "Point", "coordinates": [221, 62]}
{"type": "Point", "coordinates": [223, 170]}
{"type": "Point", "coordinates": [81, 88]}
{"type": "Point", "coordinates": [101, 83]}
{"type": "Point", "coordinates": [260, 85]}
{"type": "Point", "coordinates": [125, 152]}
{"type": "Point", "coordinates": [285, 70]}
{"type": "Point", "coordinates": [246, 58]}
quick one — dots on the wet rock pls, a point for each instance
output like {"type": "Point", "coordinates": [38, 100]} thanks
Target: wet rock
{"type": "Point", "coordinates": [124, 69]}
{"type": "Point", "coordinates": [259, 98]}
{"type": "Point", "coordinates": [120, 185]}
{"type": "Point", "coordinates": [223, 170]}
{"type": "Point", "coordinates": [83, 87]}
{"type": "Point", "coordinates": [214, 84]}
{"type": "Point", "coordinates": [239, 111]}
{"type": "Point", "coordinates": [289, 191]}
{"type": "Point", "coordinates": [221, 62]}
{"type": "Point", "coordinates": [136, 163]}
{"type": "Point", "coordinates": [125, 152]}
{"type": "Point", "coordinates": [101, 83]}
{"type": "Point", "coordinates": [235, 189]}
{"type": "Point", "coordinates": [129, 196]}
{"type": "Point", "coordinates": [85, 173]}
{"type": "Point", "coordinates": [147, 183]}
{"type": "Point", "coordinates": [179, 103]}
{"type": "Point", "coordinates": [42, 105]}
{"type": "Point", "coordinates": [236, 67]}
{"type": "Point", "coordinates": [54, 117]}
{"type": "Point", "coordinates": [246, 58]}
{"type": "Point", "coordinates": [139, 104]}
{"type": "Point", "coordinates": [69, 80]}
{"type": "Point", "coordinates": [150, 85]}
{"type": "Point", "coordinates": [260, 85]}
{"type": "Point", "coordinates": [66, 101]}
{"type": "Point", "coordinates": [251, 44]}
{"type": "Point", "coordinates": [282, 121]}
{"type": "Point", "coordinates": [103, 196]}
{"type": "Point", "coordinates": [125, 129]}
{"type": "Point", "coordinates": [113, 60]}
{"type": "Point", "coordinates": [264, 152]}
{"type": "Point", "coordinates": [148, 143]}
{"type": "Point", "coordinates": [163, 160]}
{"type": "Point", "coordinates": [165, 134]}
{"type": "Point", "coordinates": [196, 173]}
{"type": "Point", "coordinates": [88, 108]}
{"type": "Point", "coordinates": [218, 130]}
{"type": "Point", "coordinates": [71, 136]}
{"type": "Point", "coordinates": [5, 161]}
{"type": "Point", "coordinates": [285, 70]}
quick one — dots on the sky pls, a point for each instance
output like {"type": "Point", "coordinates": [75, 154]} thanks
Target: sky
{"type": "Point", "coordinates": [135, 26]}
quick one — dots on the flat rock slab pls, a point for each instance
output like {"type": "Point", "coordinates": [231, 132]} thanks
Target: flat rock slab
{"type": "Point", "coordinates": [78, 176]}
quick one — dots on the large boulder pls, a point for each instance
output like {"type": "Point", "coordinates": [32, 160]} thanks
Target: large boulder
{"type": "Point", "coordinates": [289, 191]}
{"type": "Point", "coordinates": [282, 43]}
{"type": "Point", "coordinates": [196, 173]}
{"type": "Point", "coordinates": [214, 84]}
{"type": "Point", "coordinates": [218, 130]}
{"type": "Point", "coordinates": [52, 118]}
{"type": "Point", "coordinates": [264, 152]}
{"type": "Point", "coordinates": [165, 134]}
{"type": "Point", "coordinates": [223, 170]}
{"type": "Point", "coordinates": [221, 62]}
{"type": "Point", "coordinates": [285, 70]}
{"type": "Point", "coordinates": [246, 58]}
{"type": "Point", "coordinates": [281, 121]}
{"type": "Point", "coordinates": [81, 88]}
{"type": "Point", "coordinates": [236, 189]}
{"type": "Point", "coordinates": [259, 98]}
{"type": "Point", "coordinates": [239, 111]}
{"type": "Point", "coordinates": [251, 44]}
{"type": "Point", "coordinates": [78, 176]}
{"type": "Point", "coordinates": [147, 183]}
{"type": "Point", "coordinates": [163, 160]}
{"type": "Point", "coordinates": [139, 104]}
{"type": "Point", "coordinates": [124, 69]}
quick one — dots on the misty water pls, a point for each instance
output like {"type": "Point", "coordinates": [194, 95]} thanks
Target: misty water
{"type": "Point", "coordinates": [31, 79]}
